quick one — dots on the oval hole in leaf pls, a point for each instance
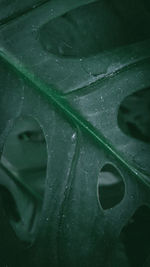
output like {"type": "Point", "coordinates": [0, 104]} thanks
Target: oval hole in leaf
{"type": "Point", "coordinates": [95, 27]}
{"type": "Point", "coordinates": [22, 174]}
{"type": "Point", "coordinates": [136, 237]}
{"type": "Point", "coordinates": [111, 187]}
{"type": "Point", "coordinates": [134, 115]}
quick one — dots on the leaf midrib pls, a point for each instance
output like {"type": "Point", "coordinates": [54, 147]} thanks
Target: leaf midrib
{"type": "Point", "coordinates": [62, 104]}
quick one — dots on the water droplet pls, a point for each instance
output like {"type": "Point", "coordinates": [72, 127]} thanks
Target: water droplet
{"type": "Point", "coordinates": [73, 137]}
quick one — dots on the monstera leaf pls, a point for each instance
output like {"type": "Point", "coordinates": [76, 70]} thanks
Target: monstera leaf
{"type": "Point", "coordinates": [75, 133]}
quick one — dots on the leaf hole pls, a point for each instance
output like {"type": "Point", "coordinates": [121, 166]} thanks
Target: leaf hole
{"type": "Point", "coordinates": [23, 171]}
{"type": "Point", "coordinates": [95, 27]}
{"type": "Point", "coordinates": [111, 187]}
{"type": "Point", "coordinates": [33, 136]}
{"type": "Point", "coordinates": [136, 237]}
{"type": "Point", "coordinates": [136, 122]}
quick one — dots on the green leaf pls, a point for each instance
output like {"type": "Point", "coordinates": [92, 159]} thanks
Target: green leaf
{"type": "Point", "coordinates": [74, 133]}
